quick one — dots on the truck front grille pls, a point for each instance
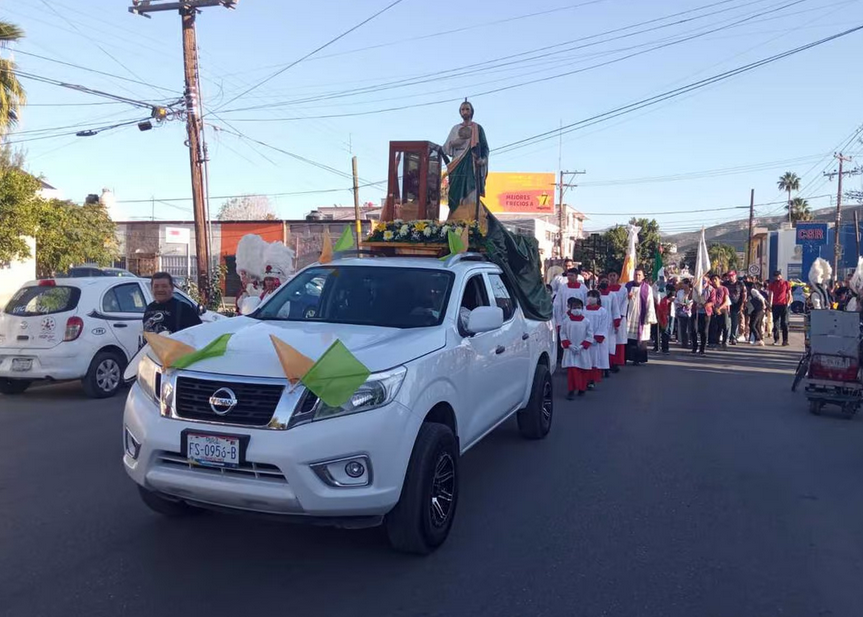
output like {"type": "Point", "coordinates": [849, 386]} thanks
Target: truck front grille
{"type": "Point", "coordinates": [255, 406]}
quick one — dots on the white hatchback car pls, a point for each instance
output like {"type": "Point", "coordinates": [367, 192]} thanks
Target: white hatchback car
{"type": "Point", "coordinates": [75, 328]}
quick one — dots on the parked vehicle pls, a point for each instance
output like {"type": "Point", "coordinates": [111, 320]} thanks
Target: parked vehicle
{"type": "Point", "coordinates": [87, 271]}
{"type": "Point", "coordinates": [451, 356]}
{"type": "Point", "coordinates": [75, 328]}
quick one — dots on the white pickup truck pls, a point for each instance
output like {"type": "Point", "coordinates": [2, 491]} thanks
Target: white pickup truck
{"type": "Point", "coordinates": [451, 357]}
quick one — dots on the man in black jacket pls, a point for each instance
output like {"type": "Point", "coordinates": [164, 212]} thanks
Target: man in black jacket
{"type": "Point", "coordinates": [166, 314]}
{"type": "Point", "coordinates": [737, 296]}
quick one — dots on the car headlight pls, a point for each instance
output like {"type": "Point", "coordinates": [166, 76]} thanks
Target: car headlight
{"type": "Point", "coordinates": [378, 390]}
{"type": "Point", "coordinates": [149, 378]}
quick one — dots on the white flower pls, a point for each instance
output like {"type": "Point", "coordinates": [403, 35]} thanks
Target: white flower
{"type": "Point", "coordinates": [444, 230]}
{"type": "Point", "coordinates": [404, 230]}
{"type": "Point", "coordinates": [427, 232]}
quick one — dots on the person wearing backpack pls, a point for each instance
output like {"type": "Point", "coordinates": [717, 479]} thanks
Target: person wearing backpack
{"type": "Point", "coordinates": [755, 306]}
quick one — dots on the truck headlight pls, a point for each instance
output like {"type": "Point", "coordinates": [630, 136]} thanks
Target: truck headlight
{"type": "Point", "coordinates": [149, 378]}
{"type": "Point", "coordinates": [378, 390]}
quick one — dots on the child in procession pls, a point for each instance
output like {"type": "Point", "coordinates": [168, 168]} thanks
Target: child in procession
{"type": "Point", "coordinates": [611, 302]}
{"type": "Point", "coordinates": [576, 335]}
{"type": "Point", "coordinates": [663, 314]}
{"type": "Point", "coordinates": [601, 324]}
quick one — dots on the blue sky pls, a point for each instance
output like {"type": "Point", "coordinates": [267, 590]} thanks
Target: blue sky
{"type": "Point", "coordinates": [788, 115]}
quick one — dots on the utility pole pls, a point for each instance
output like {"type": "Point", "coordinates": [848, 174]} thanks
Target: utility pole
{"type": "Point", "coordinates": [188, 9]}
{"type": "Point", "coordinates": [751, 224]}
{"type": "Point", "coordinates": [561, 186]}
{"type": "Point", "coordinates": [359, 225]}
{"type": "Point", "coordinates": [857, 231]}
{"type": "Point", "coordinates": [837, 246]}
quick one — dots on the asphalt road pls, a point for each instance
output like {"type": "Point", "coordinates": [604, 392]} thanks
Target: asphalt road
{"type": "Point", "coordinates": [691, 487]}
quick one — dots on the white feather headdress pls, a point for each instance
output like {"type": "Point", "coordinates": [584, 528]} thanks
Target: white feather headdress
{"type": "Point", "coordinates": [278, 261]}
{"type": "Point", "coordinates": [820, 272]}
{"type": "Point", "coordinates": [857, 279]}
{"type": "Point", "coordinates": [250, 255]}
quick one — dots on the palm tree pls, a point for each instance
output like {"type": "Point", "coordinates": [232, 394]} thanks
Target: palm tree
{"type": "Point", "coordinates": [12, 94]}
{"type": "Point", "coordinates": [723, 257]}
{"type": "Point", "coordinates": [789, 181]}
{"type": "Point", "coordinates": [798, 210]}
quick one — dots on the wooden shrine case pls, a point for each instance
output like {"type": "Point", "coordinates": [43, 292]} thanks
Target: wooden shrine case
{"type": "Point", "coordinates": [414, 181]}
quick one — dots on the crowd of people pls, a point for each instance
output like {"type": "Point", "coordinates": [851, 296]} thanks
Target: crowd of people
{"type": "Point", "coordinates": [603, 325]}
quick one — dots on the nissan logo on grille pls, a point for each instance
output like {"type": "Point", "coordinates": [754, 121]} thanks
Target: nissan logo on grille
{"type": "Point", "coordinates": [223, 401]}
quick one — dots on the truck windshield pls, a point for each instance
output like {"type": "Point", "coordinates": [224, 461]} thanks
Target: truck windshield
{"type": "Point", "coordinates": [363, 295]}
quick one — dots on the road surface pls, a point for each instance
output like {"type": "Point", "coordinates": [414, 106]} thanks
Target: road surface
{"type": "Point", "coordinates": [688, 487]}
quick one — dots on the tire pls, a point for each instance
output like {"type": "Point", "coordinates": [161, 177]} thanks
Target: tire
{"type": "Point", "coordinates": [422, 519]}
{"type": "Point", "coordinates": [534, 421]}
{"type": "Point", "coordinates": [14, 386]}
{"type": "Point", "coordinates": [802, 371]}
{"type": "Point", "coordinates": [166, 507]}
{"type": "Point", "coordinates": [105, 375]}
{"type": "Point", "coordinates": [815, 407]}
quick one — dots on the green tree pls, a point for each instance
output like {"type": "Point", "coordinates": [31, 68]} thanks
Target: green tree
{"type": "Point", "coordinates": [12, 95]}
{"type": "Point", "coordinates": [789, 181]}
{"type": "Point", "coordinates": [723, 257]}
{"type": "Point", "coordinates": [649, 239]}
{"type": "Point", "coordinates": [69, 234]}
{"type": "Point", "coordinates": [799, 210]}
{"type": "Point", "coordinates": [19, 213]}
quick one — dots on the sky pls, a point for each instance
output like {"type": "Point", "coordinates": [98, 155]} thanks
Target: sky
{"type": "Point", "coordinates": [529, 69]}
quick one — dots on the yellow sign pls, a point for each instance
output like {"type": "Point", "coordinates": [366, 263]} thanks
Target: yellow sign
{"type": "Point", "coordinates": [520, 192]}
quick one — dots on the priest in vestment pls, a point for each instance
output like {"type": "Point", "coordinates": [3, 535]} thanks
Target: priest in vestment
{"type": "Point", "coordinates": [640, 315]}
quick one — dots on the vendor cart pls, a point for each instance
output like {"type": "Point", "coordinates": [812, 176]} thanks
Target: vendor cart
{"type": "Point", "coordinates": [831, 365]}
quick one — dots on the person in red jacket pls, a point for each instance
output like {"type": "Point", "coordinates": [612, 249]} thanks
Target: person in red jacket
{"type": "Point", "coordinates": [781, 290]}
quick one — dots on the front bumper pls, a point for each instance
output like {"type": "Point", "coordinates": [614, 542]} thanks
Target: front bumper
{"type": "Point", "coordinates": [47, 364]}
{"type": "Point", "coordinates": [278, 478]}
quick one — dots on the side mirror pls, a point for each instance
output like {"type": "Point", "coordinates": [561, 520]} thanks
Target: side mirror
{"type": "Point", "coordinates": [201, 309]}
{"type": "Point", "coordinates": [249, 305]}
{"type": "Point", "coordinates": [485, 319]}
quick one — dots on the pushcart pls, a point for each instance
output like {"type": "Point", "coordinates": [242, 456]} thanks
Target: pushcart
{"type": "Point", "coordinates": [831, 363]}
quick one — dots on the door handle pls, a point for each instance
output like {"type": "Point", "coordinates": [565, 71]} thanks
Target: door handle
{"type": "Point", "coordinates": [500, 349]}
{"type": "Point", "coordinates": [121, 325]}
{"type": "Point", "coordinates": [525, 336]}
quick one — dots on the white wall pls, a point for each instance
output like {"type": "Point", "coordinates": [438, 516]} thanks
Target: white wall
{"type": "Point", "coordinates": [17, 273]}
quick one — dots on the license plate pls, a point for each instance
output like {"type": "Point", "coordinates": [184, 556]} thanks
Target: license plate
{"type": "Point", "coordinates": [834, 362]}
{"type": "Point", "coordinates": [22, 364]}
{"type": "Point", "coordinates": [213, 450]}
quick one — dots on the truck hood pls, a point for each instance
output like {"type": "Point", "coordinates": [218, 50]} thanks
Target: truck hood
{"type": "Point", "coordinates": [251, 353]}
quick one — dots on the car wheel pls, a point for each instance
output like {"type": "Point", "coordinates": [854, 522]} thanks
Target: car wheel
{"type": "Point", "coordinates": [534, 421]}
{"type": "Point", "coordinates": [166, 507]}
{"type": "Point", "coordinates": [105, 375]}
{"type": "Point", "coordinates": [423, 517]}
{"type": "Point", "coordinates": [14, 386]}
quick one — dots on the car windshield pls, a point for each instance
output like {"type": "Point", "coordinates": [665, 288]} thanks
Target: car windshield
{"type": "Point", "coordinates": [31, 301]}
{"type": "Point", "coordinates": [364, 295]}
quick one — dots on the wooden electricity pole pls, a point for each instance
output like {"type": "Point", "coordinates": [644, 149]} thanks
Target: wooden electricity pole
{"type": "Point", "coordinates": [188, 9]}
{"type": "Point", "coordinates": [359, 225]}
{"type": "Point", "coordinates": [837, 246]}
{"type": "Point", "coordinates": [751, 224]}
{"type": "Point", "coordinates": [561, 186]}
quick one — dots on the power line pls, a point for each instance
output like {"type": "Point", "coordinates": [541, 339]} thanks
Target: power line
{"type": "Point", "coordinates": [283, 194]}
{"type": "Point", "coordinates": [311, 53]}
{"type": "Point", "coordinates": [95, 71]}
{"type": "Point", "coordinates": [486, 65]}
{"type": "Point", "coordinates": [84, 89]}
{"type": "Point", "coordinates": [670, 94]}
{"type": "Point", "coordinates": [88, 133]}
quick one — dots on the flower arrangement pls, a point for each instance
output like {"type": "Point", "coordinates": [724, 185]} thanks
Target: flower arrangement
{"type": "Point", "coordinates": [424, 232]}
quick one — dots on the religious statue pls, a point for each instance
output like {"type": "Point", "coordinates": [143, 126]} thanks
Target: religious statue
{"type": "Point", "coordinates": [468, 167]}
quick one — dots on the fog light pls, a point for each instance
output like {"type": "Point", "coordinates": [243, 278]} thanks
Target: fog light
{"type": "Point", "coordinates": [133, 447]}
{"type": "Point", "coordinates": [355, 469]}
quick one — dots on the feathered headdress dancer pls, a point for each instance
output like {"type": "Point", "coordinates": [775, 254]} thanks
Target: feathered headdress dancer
{"type": "Point", "coordinates": [819, 275]}
{"type": "Point", "coordinates": [278, 262]}
{"type": "Point", "coordinates": [250, 256]}
{"type": "Point", "coordinates": [856, 283]}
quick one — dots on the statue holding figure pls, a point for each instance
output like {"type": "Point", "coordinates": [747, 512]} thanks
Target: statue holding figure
{"type": "Point", "coordinates": [468, 167]}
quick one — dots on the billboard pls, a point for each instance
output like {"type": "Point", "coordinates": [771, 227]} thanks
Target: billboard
{"type": "Point", "coordinates": [816, 233]}
{"type": "Point", "coordinates": [520, 192]}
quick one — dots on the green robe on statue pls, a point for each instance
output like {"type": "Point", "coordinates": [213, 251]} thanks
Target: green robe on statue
{"type": "Point", "coordinates": [466, 163]}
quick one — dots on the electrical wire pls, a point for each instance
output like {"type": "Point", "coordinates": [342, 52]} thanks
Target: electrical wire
{"type": "Point", "coordinates": [89, 133]}
{"type": "Point", "coordinates": [664, 96]}
{"type": "Point", "coordinates": [84, 89]}
{"type": "Point", "coordinates": [311, 53]}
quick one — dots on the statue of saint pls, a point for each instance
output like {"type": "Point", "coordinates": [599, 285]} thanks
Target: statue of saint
{"type": "Point", "coordinates": [468, 151]}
